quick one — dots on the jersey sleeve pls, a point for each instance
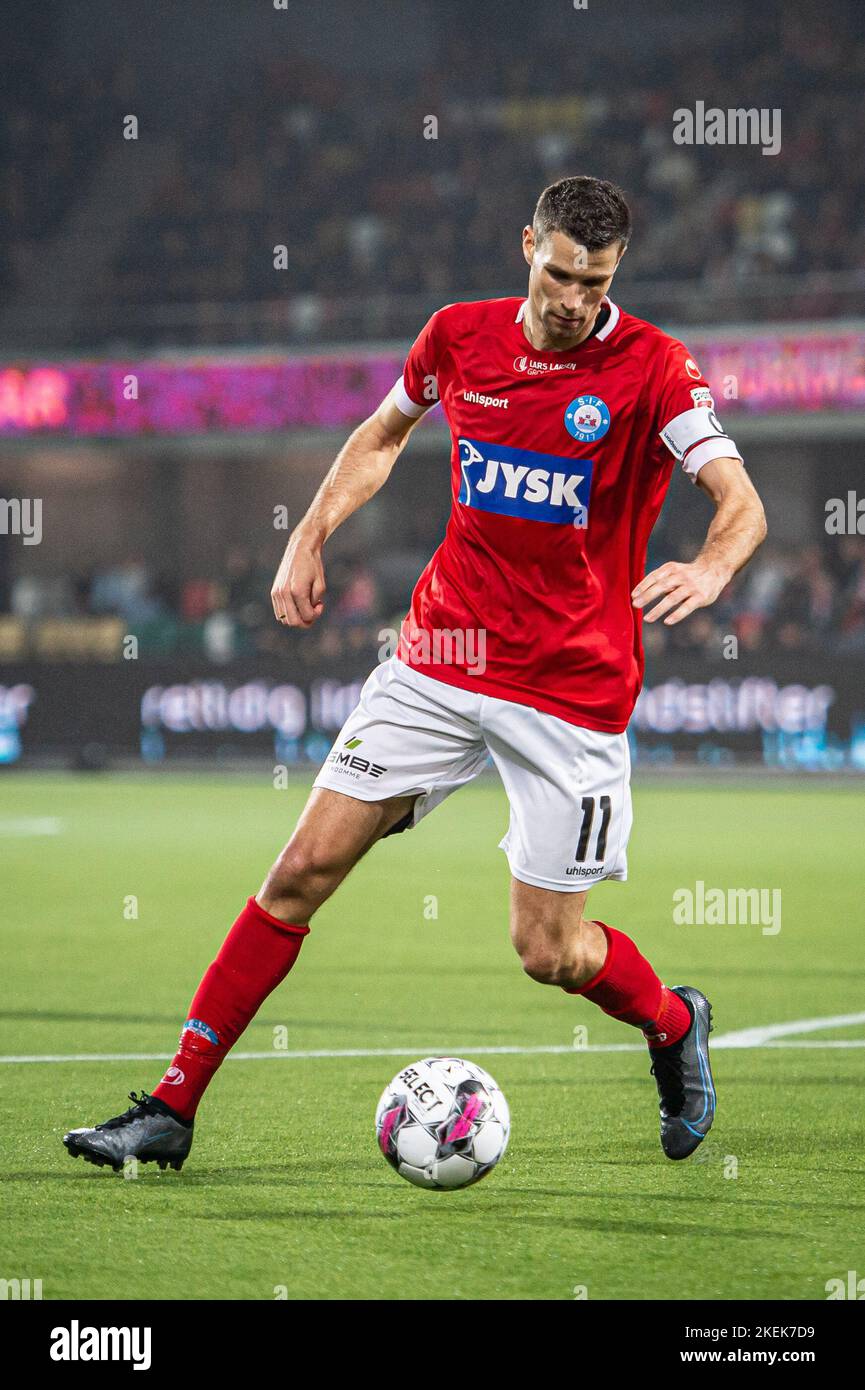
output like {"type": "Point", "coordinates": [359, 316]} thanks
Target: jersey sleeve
{"type": "Point", "coordinates": [685, 413]}
{"type": "Point", "coordinates": [417, 389]}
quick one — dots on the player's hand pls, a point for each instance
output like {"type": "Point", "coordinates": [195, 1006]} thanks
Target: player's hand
{"type": "Point", "coordinates": [681, 589]}
{"type": "Point", "coordinates": [298, 590]}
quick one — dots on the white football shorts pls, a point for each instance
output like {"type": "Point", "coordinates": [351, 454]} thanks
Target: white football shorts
{"type": "Point", "coordinates": [568, 787]}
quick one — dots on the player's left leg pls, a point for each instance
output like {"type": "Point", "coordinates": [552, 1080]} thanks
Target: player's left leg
{"type": "Point", "coordinates": [559, 945]}
{"type": "Point", "coordinates": [570, 801]}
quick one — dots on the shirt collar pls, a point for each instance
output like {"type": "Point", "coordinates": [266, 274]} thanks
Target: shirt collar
{"type": "Point", "coordinates": [602, 334]}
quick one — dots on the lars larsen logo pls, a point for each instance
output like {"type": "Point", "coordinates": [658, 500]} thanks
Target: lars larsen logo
{"type": "Point", "coordinates": [535, 367]}
{"type": "Point", "coordinates": [521, 483]}
{"type": "Point", "coordinates": [587, 418]}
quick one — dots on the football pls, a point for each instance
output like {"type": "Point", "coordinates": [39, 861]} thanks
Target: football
{"type": "Point", "coordinates": [442, 1123]}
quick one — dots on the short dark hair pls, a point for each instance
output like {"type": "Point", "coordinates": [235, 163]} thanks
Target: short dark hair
{"type": "Point", "coordinates": [592, 212]}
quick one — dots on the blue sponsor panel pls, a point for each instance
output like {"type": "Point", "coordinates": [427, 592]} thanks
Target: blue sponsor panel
{"type": "Point", "coordinates": [521, 483]}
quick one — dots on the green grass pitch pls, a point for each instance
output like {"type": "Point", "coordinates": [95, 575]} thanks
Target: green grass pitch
{"type": "Point", "coordinates": [285, 1193]}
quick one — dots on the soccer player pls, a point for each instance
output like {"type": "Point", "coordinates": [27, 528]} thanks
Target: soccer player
{"type": "Point", "coordinates": [523, 643]}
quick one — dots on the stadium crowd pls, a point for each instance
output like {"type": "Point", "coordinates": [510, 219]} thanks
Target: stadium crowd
{"type": "Point", "coordinates": [391, 198]}
{"type": "Point", "coordinates": [54, 128]}
{"type": "Point", "coordinates": [804, 599]}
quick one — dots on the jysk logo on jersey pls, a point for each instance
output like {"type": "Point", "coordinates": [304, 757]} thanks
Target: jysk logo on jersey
{"type": "Point", "coordinates": [518, 482]}
{"type": "Point", "coordinates": [587, 418]}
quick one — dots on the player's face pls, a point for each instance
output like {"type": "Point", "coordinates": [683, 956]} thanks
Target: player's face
{"type": "Point", "coordinates": [567, 285]}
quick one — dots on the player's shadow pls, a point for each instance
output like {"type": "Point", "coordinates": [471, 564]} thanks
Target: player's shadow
{"type": "Point", "coordinates": [610, 1226]}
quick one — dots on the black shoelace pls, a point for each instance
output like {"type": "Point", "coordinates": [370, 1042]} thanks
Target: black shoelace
{"type": "Point", "coordinates": [140, 1107]}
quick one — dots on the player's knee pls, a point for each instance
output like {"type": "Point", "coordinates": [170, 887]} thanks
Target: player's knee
{"type": "Point", "coordinates": [554, 961]}
{"type": "Point", "coordinates": [307, 870]}
{"type": "Point", "coordinates": [541, 964]}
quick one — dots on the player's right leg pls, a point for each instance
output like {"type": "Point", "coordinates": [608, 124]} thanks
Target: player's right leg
{"type": "Point", "coordinates": [407, 745]}
{"type": "Point", "coordinates": [333, 833]}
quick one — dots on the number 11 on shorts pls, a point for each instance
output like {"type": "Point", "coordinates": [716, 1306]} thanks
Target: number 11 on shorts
{"type": "Point", "coordinates": [587, 806]}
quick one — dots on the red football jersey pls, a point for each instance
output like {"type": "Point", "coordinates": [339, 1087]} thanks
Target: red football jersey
{"type": "Point", "coordinates": [560, 462]}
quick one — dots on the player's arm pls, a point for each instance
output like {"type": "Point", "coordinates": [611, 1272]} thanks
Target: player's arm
{"type": "Point", "coordinates": [361, 467]}
{"type": "Point", "coordinates": [737, 528]}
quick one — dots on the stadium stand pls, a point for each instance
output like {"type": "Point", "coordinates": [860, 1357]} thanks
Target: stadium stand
{"type": "Point", "coordinates": [722, 231]}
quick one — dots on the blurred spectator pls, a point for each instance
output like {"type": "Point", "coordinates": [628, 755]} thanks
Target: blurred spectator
{"type": "Point", "coordinates": [380, 225]}
{"type": "Point", "coordinates": [796, 599]}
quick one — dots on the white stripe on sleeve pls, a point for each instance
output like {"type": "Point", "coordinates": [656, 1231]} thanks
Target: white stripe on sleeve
{"type": "Point", "coordinates": [721, 447]}
{"type": "Point", "coordinates": [403, 401]}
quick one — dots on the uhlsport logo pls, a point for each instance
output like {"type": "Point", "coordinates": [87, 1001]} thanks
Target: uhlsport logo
{"type": "Point", "coordinates": [520, 483]}
{"type": "Point", "coordinates": [587, 418]}
{"type": "Point", "coordinates": [478, 398]}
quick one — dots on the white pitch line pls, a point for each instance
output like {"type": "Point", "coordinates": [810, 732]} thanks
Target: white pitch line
{"type": "Point", "coordinates": [774, 1035]}
{"type": "Point", "coordinates": [22, 826]}
{"type": "Point", "coordinates": [276, 1055]}
{"type": "Point", "coordinates": [755, 1037]}
{"type": "Point", "coordinates": [726, 1041]}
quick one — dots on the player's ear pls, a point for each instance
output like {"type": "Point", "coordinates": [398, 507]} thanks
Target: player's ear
{"type": "Point", "coordinates": [528, 244]}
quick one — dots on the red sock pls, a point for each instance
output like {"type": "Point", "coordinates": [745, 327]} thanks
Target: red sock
{"type": "Point", "coordinates": [672, 1023]}
{"type": "Point", "coordinates": [626, 987]}
{"type": "Point", "coordinates": [253, 959]}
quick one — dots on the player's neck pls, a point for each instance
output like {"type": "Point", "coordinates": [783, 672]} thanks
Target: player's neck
{"type": "Point", "coordinates": [541, 341]}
